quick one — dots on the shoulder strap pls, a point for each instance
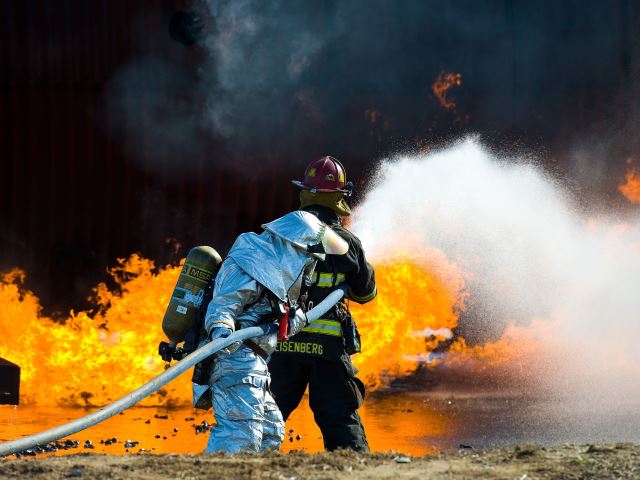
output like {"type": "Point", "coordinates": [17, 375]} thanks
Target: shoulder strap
{"type": "Point", "coordinates": [265, 292]}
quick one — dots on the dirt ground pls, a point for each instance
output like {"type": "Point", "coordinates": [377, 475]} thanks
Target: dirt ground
{"type": "Point", "coordinates": [599, 461]}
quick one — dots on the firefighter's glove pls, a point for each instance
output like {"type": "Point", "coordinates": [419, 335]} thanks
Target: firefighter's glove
{"type": "Point", "coordinates": [224, 332]}
{"type": "Point", "coordinates": [297, 322]}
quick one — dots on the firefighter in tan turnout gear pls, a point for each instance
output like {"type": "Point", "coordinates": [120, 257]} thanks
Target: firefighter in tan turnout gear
{"type": "Point", "coordinates": [319, 356]}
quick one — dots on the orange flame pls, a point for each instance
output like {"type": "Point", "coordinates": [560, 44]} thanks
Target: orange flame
{"type": "Point", "coordinates": [442, 85]}
{"type": "Point", "coordinates": [631, 187]}
{"type": "Point", "coordinates": [93, 359]}
{"type": "Point", "coordinates": [86, 360]}
{"type": "Point", "coordinates": [411, 298]}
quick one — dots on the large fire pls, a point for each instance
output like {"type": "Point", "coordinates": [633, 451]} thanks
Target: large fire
{"type": "Point", "coordinates": [94, 358]}
{"type": "Point", "coordinates": [90, 359]}
{"type": "Point", "coordinates": [417, 294]}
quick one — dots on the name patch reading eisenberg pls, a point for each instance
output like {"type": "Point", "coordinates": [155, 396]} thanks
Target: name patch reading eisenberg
{"type": "Point", "coordinates": [300, 347]}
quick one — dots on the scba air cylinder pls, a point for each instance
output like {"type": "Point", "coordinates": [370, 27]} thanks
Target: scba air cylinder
{"type": "Point", "coordinates": [199, 270]}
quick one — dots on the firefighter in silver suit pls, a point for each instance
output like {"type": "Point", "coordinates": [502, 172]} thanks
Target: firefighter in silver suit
{"type": "Point", "coordinates": [258, 270]}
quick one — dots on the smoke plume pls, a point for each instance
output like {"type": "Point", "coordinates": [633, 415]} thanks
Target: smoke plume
{"type": "Point", "coordinates": [273, 82]}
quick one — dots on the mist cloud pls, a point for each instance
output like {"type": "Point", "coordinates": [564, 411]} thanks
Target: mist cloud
{"type": "Point", "coordinates": [531, 259]}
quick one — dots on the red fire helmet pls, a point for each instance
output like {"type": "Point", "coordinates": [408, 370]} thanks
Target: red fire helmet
{"type": "Point", "coordinates": [325, 175]}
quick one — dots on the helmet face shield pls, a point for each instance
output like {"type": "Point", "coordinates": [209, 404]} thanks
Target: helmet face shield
{"type": "Point", "coordinates": [333, 243]}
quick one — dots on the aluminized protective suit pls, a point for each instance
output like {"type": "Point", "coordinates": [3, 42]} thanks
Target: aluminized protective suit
{"type": "Point", "coordinates": [247, 418]}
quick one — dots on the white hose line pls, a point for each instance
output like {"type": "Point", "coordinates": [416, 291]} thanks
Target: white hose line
{"type": "Point", "coordinates": [156, 383]}
{"type": "Point", "coordinates": [131, 398]}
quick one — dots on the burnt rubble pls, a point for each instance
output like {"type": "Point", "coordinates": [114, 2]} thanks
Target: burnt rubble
{"type": "Point", "coordinates": [203, 427]}
{"type": "Point", "coordinates": [51, 447]}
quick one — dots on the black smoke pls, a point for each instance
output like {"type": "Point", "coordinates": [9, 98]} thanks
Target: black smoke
{"type": "Point", "coordinates": [278, 83]}
{"type": "Point", "coordinates": [120, 131]}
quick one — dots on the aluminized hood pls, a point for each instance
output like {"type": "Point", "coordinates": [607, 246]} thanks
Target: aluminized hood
{"type": "Point", "coordinates": [278, 257]}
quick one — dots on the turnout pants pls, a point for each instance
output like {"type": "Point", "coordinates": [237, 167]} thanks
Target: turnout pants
{"type": "Point", "coordinates": [247, 417]}
{"type": "Point", "coordinates": [335, 394]}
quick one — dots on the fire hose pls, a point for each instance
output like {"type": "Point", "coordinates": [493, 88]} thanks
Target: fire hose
{"type": "Point", "coordinates": [156, 383]}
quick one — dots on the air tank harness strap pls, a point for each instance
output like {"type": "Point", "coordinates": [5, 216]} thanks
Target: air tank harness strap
{"type": "Point", "coordinates": [256, 349]}
{"type": "Point", "coordinates": [279, 311]}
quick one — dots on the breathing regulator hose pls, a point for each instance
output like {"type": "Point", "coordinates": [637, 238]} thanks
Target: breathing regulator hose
{"type": "Point", "coordinates": [156, 383]}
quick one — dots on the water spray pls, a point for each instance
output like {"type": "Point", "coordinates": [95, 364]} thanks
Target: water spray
{"type": "Point", "coordinates": [551, 284]}
{"type": "Point", "coordinates": [156, 383]}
